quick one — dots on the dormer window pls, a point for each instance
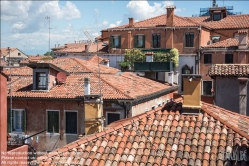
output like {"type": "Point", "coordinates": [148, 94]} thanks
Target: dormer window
{"type": "Point", "coordinates": [217, 16]}
{"type": "Point", "coordinates": [41, 81]}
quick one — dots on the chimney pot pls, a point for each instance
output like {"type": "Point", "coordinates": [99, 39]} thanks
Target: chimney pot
{"type": "Point", "coordinates": [86, 48]}
{"type": "Point", "coordinates": [131, 22]}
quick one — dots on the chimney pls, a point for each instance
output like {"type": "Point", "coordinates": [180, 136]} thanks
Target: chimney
{"type": "Point", "coordinates": [131, 22]}
{"type": "Point", "coordinates": [243, 39]}
{"type": "Point", "coordinates": [243, 81]}
{"type": "Point", "coordinates": [191, 93]}
{"type": "Point", "coordinates": [86, 48]}
{"type": "Point", "coordinates": [149, 56]}
{"type": "Point", "coordinates": [87, 86]}
{"type": "Point", "coordinates": [170, 16]}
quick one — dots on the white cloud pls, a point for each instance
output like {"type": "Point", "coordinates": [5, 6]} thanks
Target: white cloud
{"type": "Point", "coordinates": [116, 24]}
{"type": "Point", "coordinates": [105, 22]}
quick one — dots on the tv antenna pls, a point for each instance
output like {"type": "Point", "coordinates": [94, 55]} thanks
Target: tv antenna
{"type": "Point", "coordinates": [48, 18]}
{"type": "Point", "coordinates": [89, 40]}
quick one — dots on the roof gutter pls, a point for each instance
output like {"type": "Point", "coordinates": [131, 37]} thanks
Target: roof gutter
{"type": "Point", "coordinates": [146, 28]}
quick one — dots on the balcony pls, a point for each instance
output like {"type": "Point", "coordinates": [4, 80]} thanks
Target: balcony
{"type": "Point", "coordinates": [153, 66]}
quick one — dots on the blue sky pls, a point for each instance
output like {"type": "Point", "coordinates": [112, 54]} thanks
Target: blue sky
{"type": "Point", "coordinates": [23, 23]}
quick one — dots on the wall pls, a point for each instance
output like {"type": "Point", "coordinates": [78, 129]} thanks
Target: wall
{"type": "Point", "coordinates": [205, 36]}
{"type": "Point", "coordinates": [227, 93]}
{"type": "Point", "coordinates": [3, 114]}
{"type": "Point", "coordinates": [52, 77]}
{"type": "Point", "coordinates": [147, 106]}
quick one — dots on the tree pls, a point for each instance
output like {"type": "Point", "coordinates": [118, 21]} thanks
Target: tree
{"type": "Point", "coordinates": [133, 55]}
{"type": "Point", "coordinates": [48, 53]}
{"type": "Point", "coordinates": [172, 56]}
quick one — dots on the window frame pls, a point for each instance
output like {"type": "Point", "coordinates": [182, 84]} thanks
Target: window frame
{"type": "Point", "coordinates": [48, 122]}
{"type": "Point", "coordinates": [227, 59]}
{"type": "Point", "coordinates": [136, 41]}
{"type": "Point", "coordinates": [209, 59]}
{"type": "Point", "coordinates": [11, 119]}
{"type": "Point", "coordinates": [35, 79]}
{"type": "Point", "coordinates": [203, 87]}
{"type": "Point", "coordinates": [112, 113]}
{"type": "Point", "coordinates": [189, 42]}
{"type": "Point", "coordinates": [156, 37]}
{"type": "Point", "coordinates": [112, 41]}
{"type": "Point", "coordinates": [216, 14]}
{"type": "Point", "coordinates": [66, 122]}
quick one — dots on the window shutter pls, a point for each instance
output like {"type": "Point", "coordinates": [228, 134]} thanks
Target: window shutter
{"type": "Point", "coordinates": [111, 42]}
{"type": "Point", "coordinates": [119, 41]}
{"type": "Point", "coordinates": [192, 70]}
{"type": "Point", "coordinates": [9, 122]}
{"type": "Point", "coordinates": [56, 121]}
{"type": "Point", "coordinates": [143, 41]}
{"type": "Point", "coordinates": [153, 40]}
{"type": "Point", "coordinates": [49, 121]}
{"type": "Point", "coordinates": [135, 41]}
{"type": "Point", "coordinates": [186, 40]}
{"type": "Point", "coordinates": [191, 40]}
{"type": "Point", "coordinates": [159, 40]}
{"type": "Point", "coordinates": [23, 121]}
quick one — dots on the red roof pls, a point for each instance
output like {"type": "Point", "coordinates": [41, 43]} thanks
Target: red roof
{"type": "Point", "coordinates": [114, 84]}
{"type": "Point", "coordinates": [230, 42]}
{"type": "Point", "coordinates": [18, 71]}
{"type": "Point", "coordinates": [229, 70]}
{"type": "Point", "coordinates": [5, 51]}
{"type": "Point", "coordinates": [162, 137]}
{"type": "Point", "coordinates": [98, 59]}
{"type": "Point", "coordinates": [229, 22]}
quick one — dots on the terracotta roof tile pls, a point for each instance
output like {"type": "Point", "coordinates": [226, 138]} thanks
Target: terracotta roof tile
{"type": "Point", "coordinates": [3, 63]}
{"type": "Point", "coordinates": [18, 71]}
{"type": "Point", "coordinates": [229, 70]}
{"type": "Point", "coordinates": [97, 59]}
{"type": "Point", "coordinates": [230, 42]}
{"type": "Point", "coordinates": [5, 51]}
{"type": "Point", "coordinates": [161, 149]}
{"type": "Point", "coordinates": [243, 31]}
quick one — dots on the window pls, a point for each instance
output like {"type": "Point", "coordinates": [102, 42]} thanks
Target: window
{"type": "Point", "coordinates": [217, 16]}
{"type": "Point", "coordinates": [207, 58]}
{"type": "Point", "coordinates": [18, 120]}
{"type": "Point", "coordinates": [139, 41]}
{"type": "Point", "coordinates": [156, 40]}
{"type": "Point", "coordinates": [53, 121]}
{"type": "Point", "coordinates": [71, 122]}
{"type": "Point", "coordinates": [228, 58]}
{"type": "Point", "coordinates": [112, 117]}
{"type": "Point", "coordinates": [41, 81]}
{"type": "Point", "coordinates": [19, 54]}
{"type": "Point", "coordinates": [115, 41]}
{"type": "Point", "coordinates": [189, 40]}
{"type": "Point", "coordinates": [186, 70]}
{"type": "Point", "coordinates": [215, 39]}
{"type": "Point", "coordinates": [207, 87]}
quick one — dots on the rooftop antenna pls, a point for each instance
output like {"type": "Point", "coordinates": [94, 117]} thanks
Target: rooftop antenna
{"type": "Point", "coordinates": [214, 3]}
{"type": "Point", "coordinates": [48, 18]}
{"type": "Point", "coordinates": [89, 40]}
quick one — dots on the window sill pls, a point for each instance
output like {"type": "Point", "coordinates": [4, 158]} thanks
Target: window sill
{"type": "Point", "coordinates": [39, 90]}
{"type": "Point", "coordinates": [189, 47]}
{"type": "Point", "coordinates": [52, 133]}
{"type": "Point", "coordinates": [70, 134]}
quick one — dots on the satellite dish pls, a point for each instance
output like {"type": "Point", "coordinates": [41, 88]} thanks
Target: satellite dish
{"type": "Point", "coordinates": [61, 77]}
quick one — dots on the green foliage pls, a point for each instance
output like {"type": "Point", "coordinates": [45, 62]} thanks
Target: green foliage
{"type": "Point", "coordinates": [124, 66]}
{"type": "Point", "coordinates": [172, 56]}
{"type": "Point", "coordinates": [133, 55]}
{"type": "Point", "coordinates": [48, 53]}
{"type": "Point", "coordinates": [47, 58]}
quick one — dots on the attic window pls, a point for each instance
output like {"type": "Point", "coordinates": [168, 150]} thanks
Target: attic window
{"type": "Point", "coordinates": [217, 16]}
{"type": "Point", "coordinates": [41, 81]}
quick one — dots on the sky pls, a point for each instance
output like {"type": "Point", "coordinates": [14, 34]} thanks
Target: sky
{"type": "Point", "coordinates": [25, 24]}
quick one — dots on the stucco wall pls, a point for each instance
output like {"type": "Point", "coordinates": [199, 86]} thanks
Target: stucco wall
{"type": "Point", "coordinates": [227, 93]}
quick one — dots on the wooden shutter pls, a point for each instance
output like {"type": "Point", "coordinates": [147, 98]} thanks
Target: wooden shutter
{"type": "Point", "coordinates": [9, 120]}
{"type": "Point", "coordinates": [119, 41]}
{"type": "Point", "coordinates": [135, 41]}
{"type": "Point", "coordinates": [158, 40]}
{"type": "Point", "coordinates": [111, 42]}
{"type": "Point", "coordinates": [56, 121]}
{"type": "Point", "coordinates": [53, 121]}
{"type": "Point", "coordinates": [49, 121]}
{"type": "Point", "coordinates": [23, 121]}
{"type": "Point", "coordinates": [143, 41]}
{"type": "Point", "coordinates": [191, 40]}
{"type": "Point", "coordinates": [153, 40]}
{"type": "Point", "coordinates": [187, 40]}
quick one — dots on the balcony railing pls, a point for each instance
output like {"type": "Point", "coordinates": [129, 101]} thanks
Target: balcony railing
{"type": "Point", "coordinates": [154, 66]}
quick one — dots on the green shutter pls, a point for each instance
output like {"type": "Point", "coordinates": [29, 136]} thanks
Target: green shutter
{"type": "Point", "coordinates": [9, 122]}
{"type": "Point", "coordinates": [153, 40]}
{"type": "Point", "coordinates": [56, 121]}
{"type": "Point", "coordinates": [111, 42]}
{"type": "Point", "coordinates": [49, 121]}
{"type": "Point", "coordinates": [23, 121]}
{"type": "Point", "coordinates": [143, 41]}
{"type": "Point", "coordinates": [159, 40]}
{"type": "Point", "coordinates": [135, 41]}
{"type": "Point", "coordinates": [119, 41]}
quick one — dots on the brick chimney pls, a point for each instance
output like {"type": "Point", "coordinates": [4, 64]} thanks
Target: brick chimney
{"type": "Point", "coordinates": [170, 16]}
{"type": "Point", "coordinates": [243, 39]}
{"type": "Point", "coordinates": [131, 22]}
{"type": "Point", "coordinates": [191, 93]}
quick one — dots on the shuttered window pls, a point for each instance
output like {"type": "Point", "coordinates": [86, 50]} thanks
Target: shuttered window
{"type": "Point", "coordinates": [189, 40]}
{"type": "Point", "coordinates": [207, 87]}
{"type": "Point", "coordinates": [71, 122]}
{"type": "Point", "coordinates": [53, 121]}
{"type": "Point", "coordinates": [228, 58]}
{"type": "Point", "coordinates": [139, 41]}
{"type": "Point", "coordinates": [156, 40]}
{"type": "Point", "coordinates": [115, 41]}
{"type": "Point", "coordinates": [16, 120]}
{"type": "Point", "coordinates": [41, 81]}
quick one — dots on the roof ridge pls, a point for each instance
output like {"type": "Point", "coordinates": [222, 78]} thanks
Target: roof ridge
{"type": "Point", "coordinates": [114, 87]}
{"type": "Point", "coordinates": [204, 108]}
{"type": "Point", "coordinates": [77, 60]}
